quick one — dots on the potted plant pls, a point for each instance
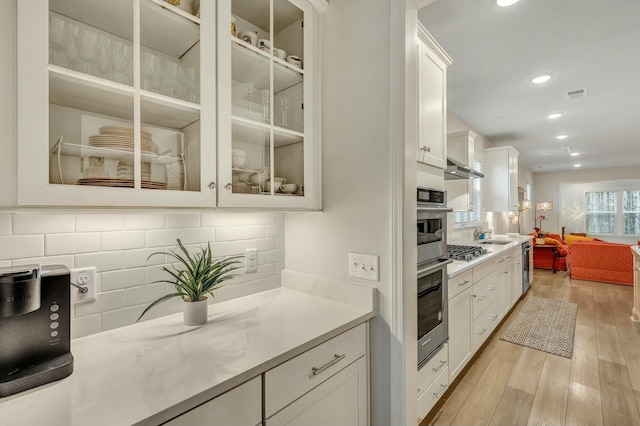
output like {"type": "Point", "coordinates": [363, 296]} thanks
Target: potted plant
{"type": "Point", "coordinates": [540, 234]}
{"type": "Point", "coordinates": [194, 277]}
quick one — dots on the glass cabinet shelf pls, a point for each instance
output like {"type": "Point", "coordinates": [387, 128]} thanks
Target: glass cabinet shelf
{"type": "Point", "coordinates": [66, 148]}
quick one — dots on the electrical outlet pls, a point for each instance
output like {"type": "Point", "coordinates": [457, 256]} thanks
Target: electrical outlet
{"type": "Point", "coordinates": [365, 266]}
{"type": "Point", "coordinates": [84, 289]}
{"type": "Point", "coordinates": [250, 261]}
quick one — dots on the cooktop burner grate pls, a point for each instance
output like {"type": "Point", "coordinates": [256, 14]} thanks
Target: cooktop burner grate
{"type": "Point", "coordinates": [465, 253]}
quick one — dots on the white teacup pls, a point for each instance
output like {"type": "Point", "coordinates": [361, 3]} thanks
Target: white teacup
{"type": "Point", "coordinates": [264, 44]}
{"type": "Point", "coordinates": [294, 60]}
{"type": "Point", "coordinates": [289, 188]}
{"type": "Point", "coordinates": [250, 37]}
{"type": "Point", "coordinates": [279, 53]}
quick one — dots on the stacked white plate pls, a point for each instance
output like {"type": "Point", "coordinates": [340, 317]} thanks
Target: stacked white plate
{"type": "Point", "coordinates": [121, 138]}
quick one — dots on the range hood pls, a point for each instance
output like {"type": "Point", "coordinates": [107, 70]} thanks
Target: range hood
{"type": "Point", "coordinates": [456, 170]}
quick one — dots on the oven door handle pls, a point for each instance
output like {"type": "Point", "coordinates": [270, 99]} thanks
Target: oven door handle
{"type": "Point", "coordinates": [440, 265]}
{"type": "Point", "coordinates": [435, 209]}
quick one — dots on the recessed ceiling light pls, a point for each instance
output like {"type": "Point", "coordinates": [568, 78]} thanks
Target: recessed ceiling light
{"type": "Point", "coordinates": [554, 115]}
{"type": "Point", "coordinates": [575, 154]}
{"type": "Point", "coordinates": [561, 137]}
{"type": "Point", "coordinates": [505, 3]}
{"type": "Point", "coordinates": [577, 165]}
{"type": "Point", "coordinates": [541, 79]}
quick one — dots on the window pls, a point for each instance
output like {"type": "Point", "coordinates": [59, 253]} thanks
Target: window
{"type": "Point", "coordinates": [601, 212]}
{"type": "Point", "coordinates": [631, 212]}
{"type": "Point", "coordinates": [608, 211]}
{"type": "Point", "coordinates": [474, 216]}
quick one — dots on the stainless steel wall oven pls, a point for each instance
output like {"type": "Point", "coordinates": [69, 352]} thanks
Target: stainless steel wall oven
{"type": "Point", "coordinates": [432, 271]}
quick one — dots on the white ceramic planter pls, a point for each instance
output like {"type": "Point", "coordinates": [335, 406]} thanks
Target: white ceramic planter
{"type": "Point", "coordinates": [540, 241]}
{"type": "Point", "coordinates": [195, 313]}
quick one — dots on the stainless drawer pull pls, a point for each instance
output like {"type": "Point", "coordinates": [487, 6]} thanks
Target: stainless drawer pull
{"type": "Point", "coordinates": [439, 394]}
{"type": "Point", "coordinates": [480, 299]}
{"type": "Point", "coordinates": [481, 332]}
{"type": "Point", "coordinates": [336, 358]}
{"type": "Point", "coordinates": [500, 261]}
{"type": "Point", "coordinates": [493, 288]}
{"type": "Point", "coordinates": [493, 318]}
{"type": "Point", "coordinates": [465, 282]}
{"type": "Point", "coordinates": [442, 364]}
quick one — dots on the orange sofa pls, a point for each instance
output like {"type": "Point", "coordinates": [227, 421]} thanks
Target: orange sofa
{"type": "Point", "coordinates": [543, 259]}
{"type": "Point", "coordinates": [601, 261]}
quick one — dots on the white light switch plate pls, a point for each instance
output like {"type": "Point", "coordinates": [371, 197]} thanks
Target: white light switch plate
{"type": "Point", "coordinates": [250, 260]}
{"type": "Point", "coordinates": [365, 266]}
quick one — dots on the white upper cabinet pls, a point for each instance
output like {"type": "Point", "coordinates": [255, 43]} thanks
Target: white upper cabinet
{"type": "Point", "coordinates": [268, 113]}
{"type": "Point", "coordinates": [111, 98]}
{"type": "Point", "coordinates": [461, 193]}
{"type": "Point", "coordinates": [500, 179]}
{"type": "Point", "coordinates": [432, 100]}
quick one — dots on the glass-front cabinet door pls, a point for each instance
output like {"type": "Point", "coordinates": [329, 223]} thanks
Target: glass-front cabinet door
{"type": "Point", "coordinates": [267, 145]}
{"type": "Point", "coordinates": [112, 100]}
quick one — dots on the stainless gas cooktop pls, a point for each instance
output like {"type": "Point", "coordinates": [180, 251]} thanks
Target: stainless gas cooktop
{"type": "Point", "coordinates": [464, 253]}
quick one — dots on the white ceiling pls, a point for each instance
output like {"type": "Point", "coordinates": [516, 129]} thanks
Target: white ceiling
{"type": "Point", "coordinates": [592, 44]}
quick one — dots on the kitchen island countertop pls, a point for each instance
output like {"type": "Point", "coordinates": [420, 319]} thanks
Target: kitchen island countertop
{"type": "Point", "coordinates": [150, 372]}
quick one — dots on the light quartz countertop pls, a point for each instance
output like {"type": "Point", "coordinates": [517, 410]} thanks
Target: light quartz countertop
{"type": "Point", "coordinates": [150, 372]}
{"type": "Point", "coordinates": [636, 250]}
{"type": "Point", "coordinates": [458, 266]}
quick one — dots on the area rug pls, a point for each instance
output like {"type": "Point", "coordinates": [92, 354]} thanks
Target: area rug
{"type": "Point", "coordinates": [546, 325]}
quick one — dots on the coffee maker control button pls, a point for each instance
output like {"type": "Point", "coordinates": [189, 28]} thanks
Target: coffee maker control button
{"type": "Point", "coordinates": [54, 334]}
{"type": "Point", "coordinates": [54, 308]}
{"type": "Point", "coordinates": [54, 325]}
{"type": "Point", "coordinates": [54, 316]}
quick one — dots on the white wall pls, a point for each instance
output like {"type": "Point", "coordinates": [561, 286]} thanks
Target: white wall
{"type": "Point", "coordinates": [357, 152]}
{"type": "Point", "coordinates": [118, 243]}
{"type": "Point", "coordinates": [546, 187]}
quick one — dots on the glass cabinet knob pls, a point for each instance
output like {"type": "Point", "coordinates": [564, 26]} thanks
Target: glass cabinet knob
{"type": "Point", "coordinates": [212, 186]}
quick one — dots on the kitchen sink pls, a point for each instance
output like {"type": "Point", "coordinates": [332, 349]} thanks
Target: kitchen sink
{"type": "Point", "coordinates": [498, 242]}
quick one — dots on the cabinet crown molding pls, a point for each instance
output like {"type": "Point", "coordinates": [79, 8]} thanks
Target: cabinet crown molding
{"type": "Point", "coordinates": [320, 5]}
{"type": "Point", "coordinates": [501, 148]}
{"type": "Point", "coordinates": [469, 133]}
{"type": "Point", "coordinates": [428, 39]}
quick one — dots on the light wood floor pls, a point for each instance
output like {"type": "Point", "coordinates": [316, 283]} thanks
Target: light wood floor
{"type": "Point", "coordinates": [508, 384]}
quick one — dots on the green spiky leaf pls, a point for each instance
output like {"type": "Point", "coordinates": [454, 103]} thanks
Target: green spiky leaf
{"type": "Point", "coordinates": [196, 275]}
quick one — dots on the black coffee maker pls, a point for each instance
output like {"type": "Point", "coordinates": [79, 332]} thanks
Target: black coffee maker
{"type": "Point", "coordinates": [35, 318]}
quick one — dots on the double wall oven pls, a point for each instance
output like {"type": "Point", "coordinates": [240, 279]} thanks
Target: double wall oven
{"type": "Point", "coordinates": [432, 271]}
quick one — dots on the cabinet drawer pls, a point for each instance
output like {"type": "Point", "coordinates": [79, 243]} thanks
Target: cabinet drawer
{"type": "Point", "coordinates": [429, 372]}
{"type": "Point", "coordinates": [487, 267]}
{"type": "Point", "coordinates": [288, 381]}
{"type": "Point", "coordinates": [483, 325]}
{"type": "Point", "coordinates": [484, 293]}
{"type": "Point", "coordinates": [429, 397]}
{"type": "Point", "coordinates": [241, 406]}
{"type": "Point", "coordinates": [459, 283]}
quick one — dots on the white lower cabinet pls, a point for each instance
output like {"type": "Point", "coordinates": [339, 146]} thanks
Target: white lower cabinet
{"type": "Point", "coordinates": [515, 282]}
{"type": "Point", "coordinates": [339, 400]}
{"type": "Point", "coordinates": [432, 394]}
{"type": "Point", "coordinates": [460, 337]}
{"type": "Point", "coordinates": [241, 406]}
{"type": "Point", "coordinates": [325, 385]}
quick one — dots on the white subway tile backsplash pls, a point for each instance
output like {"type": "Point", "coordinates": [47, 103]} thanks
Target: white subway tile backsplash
{"type": "Point", "coordinates": [265, 219]}
{"type": "Point", "coordinates": [66, 260]}
{"type": "Point", "coordinates": [99, 222]}
{"type": "Point", "coordinates": [103, 261]}
{"type": "Point", "coordinates": [228, 233]}
{"type": "Point", "coordinates": [140, 258]}
{"type": "Point", "coordinates": [84, 326]}
{"type": "Point", "coordinates": [242, 219]}
{"type": "Point", "coordinates": [275, 230]}
{"type": "Point", "coordinates": [214, 219]}
{"type": "Point", "coordinates": [264, 244]}
{"type": "Point", "coordinates": [119, 245]}
{"type": "Point", "coordinates": [105, 301]}
{"type": "Point", "coordinates": [198, 235]}
{"type": "Point", "coordinates": [18, 246]}
{"type": "Point", "coordinates": [163, 237]}
{"type": "Point", "coordinates": [71, 243]}
{"type": "Point", "coordinates": [144, 294]}
{"type": "Point", "coordinates": [275, 256]}
{"type": "Point", "coordinates": [256, 231]}
{"type": "Point", "coordinates": [238, 247]}
{"type": "Point", "coordinates": [145, 221]}
{"type": "Point", "coordinates": [183, 220]}
{"type": "Point", "coordinates": [29, 224]}
{"type": "Point", "coordinates": [5, 224]}
{"type": "Point", "coordinates": [123, 240]}
{"type": "Point", "coordinates": [122, 279]}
